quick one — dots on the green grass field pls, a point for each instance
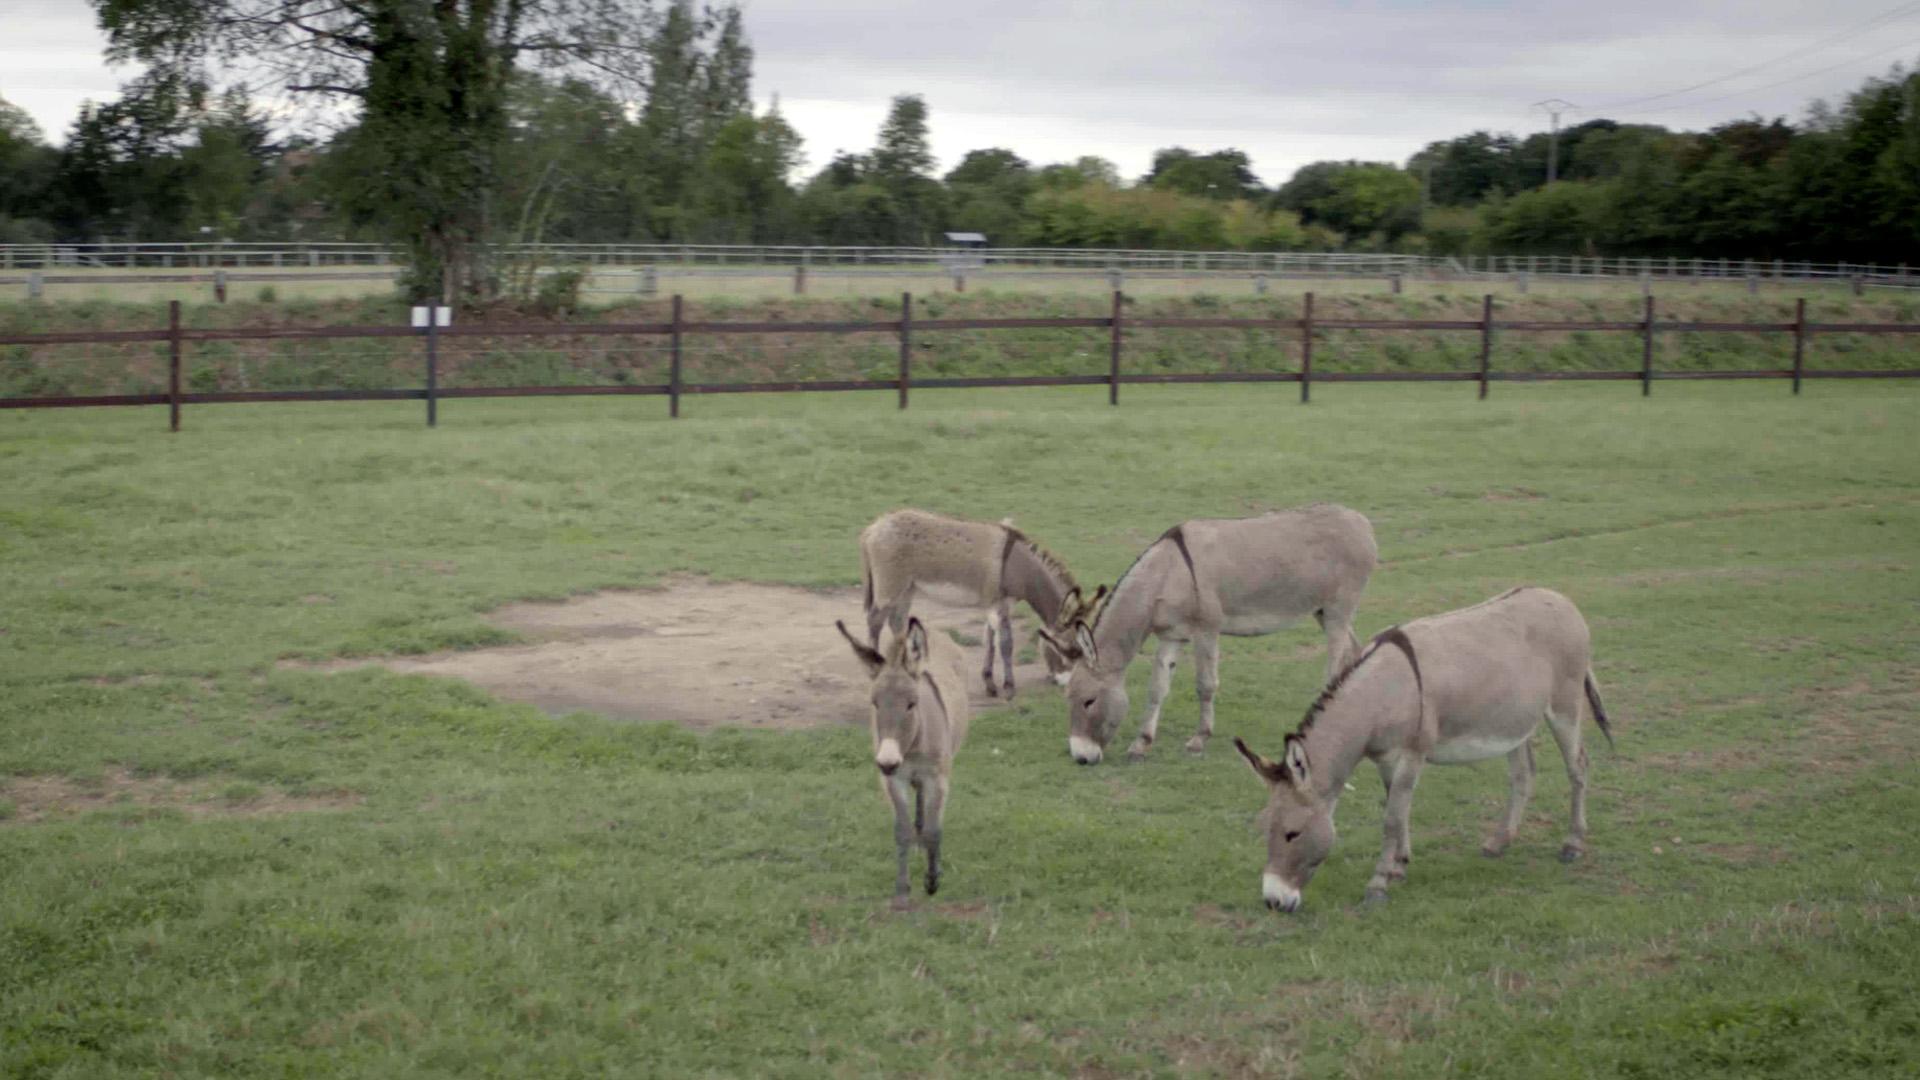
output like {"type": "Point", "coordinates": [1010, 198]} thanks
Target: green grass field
{"type": "Point", "coordinates": [375, 875]}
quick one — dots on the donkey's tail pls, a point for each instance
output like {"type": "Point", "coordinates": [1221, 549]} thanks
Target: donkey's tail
{"type": "Point", "coordinates": [1599, 710]}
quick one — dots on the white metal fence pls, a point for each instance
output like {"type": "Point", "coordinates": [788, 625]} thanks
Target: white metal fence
{"type": "Point", "coordinates": [649, 266]}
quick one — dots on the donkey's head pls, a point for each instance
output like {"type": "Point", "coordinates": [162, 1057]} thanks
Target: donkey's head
{"type": "Point", "coordinates": [896, 691]}
{"type": "Point", "coordinates": [1096, 699]}
{"type": "Point", "coordinates": [1073, 608]}
{"type": "Point", "coordinates": [1299, 823]}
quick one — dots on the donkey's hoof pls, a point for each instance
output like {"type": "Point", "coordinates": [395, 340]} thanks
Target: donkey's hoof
{"type": "Point", "coordinates": [1571, 853]}
{"type": "Point", "coordinates": [1494, 848]}
{"type": "Point", "coordinates": [902, 902]}
{"type": "Point", "coordinates": [1197, 744]}
{"type": "Point", "coordinates": [1138, 751]}
{"type": "Point", "coordinates": [992, 690]}
{"type": "Point", "coordinates": [933, 884]}
{"type": "Point", "coordinates": [1374, 898]}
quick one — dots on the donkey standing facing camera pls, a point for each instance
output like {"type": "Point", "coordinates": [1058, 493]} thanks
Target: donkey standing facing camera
{"type": "Point", "coordinates": [919, 719]}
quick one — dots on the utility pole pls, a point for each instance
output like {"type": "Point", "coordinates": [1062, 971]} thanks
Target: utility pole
{"type": "Point", "coordinates": [1554, 107]}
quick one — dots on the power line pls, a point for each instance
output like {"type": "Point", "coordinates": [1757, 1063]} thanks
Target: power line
{"type": "Point", "coordinates": [1884, 17]}
{"type": "Point", "coordinates": [1783, 82]}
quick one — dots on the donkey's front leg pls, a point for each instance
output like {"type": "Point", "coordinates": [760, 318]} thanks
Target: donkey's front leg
{"type": "Point", "coordinates": [903, 832]}
{"type": "Point", "coordinates": [1206, 682]}
{"type": "Point", "coordinates": [930, 830]}
{"type": "Point", "coordinates": [1400, 773]}
{"type": "Point", "coordinates": [1520, 789]}
{"type": "Point", "coordinates": [1158, 684]}
{"type": "Point", "coordinates": [986, 666]}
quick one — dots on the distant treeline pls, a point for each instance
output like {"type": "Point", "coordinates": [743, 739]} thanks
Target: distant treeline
{"type": "Point", "coordinates": [694, 162]}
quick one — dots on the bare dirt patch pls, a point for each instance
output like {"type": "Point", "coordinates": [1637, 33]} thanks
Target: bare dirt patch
{"type": "Point", "coordinates": [700, 653]}
{"type": "Point", "coordinates": [41, 798]}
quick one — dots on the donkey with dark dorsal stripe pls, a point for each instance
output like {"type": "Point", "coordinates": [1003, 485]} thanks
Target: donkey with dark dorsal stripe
{"type": "Point", "coordinates": [1453, 688]}
{"type": "Point", "coordinates": [972, 563]}
{"type": "Point", "coordinates": [1204, 578]}
{"type": "Point", "coordinates": [918, 721]}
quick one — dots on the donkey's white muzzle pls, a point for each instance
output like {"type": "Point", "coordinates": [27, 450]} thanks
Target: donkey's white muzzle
{"type": "Point", "coordinates": [1084, 751]}
{"type": "Point", "coordinates": [1279, 895]}
{"type": "Point", "coordinates": [888, 756]}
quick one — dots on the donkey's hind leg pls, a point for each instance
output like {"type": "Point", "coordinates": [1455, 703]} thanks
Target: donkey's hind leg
{"type": "Point", "coordinates": [1336, 621]}
{"type": "Point", "coordinates": [1564, 719]}
{"type": "Point", "coordinates": [1006, 645]}
{"type": "Point", "coordinates": [1520, 781]}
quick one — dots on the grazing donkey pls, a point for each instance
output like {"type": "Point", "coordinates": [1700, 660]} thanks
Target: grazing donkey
{"type": "Point", "coordinates": [919, 720]}
{"type": "Point", "coordinates": [1204, 578]}
{"type": "Point", "coordinates": [971, 563]}
{"type": "Point", "coordinates": [1464, 686]}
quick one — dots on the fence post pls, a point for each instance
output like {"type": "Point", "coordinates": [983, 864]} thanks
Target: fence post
{"type": "Point", "coordinates": [800, 280]}
{"type": "Point", "coordinates": [1397, 284]}
{"type": "Point", "coordinates": [1306, 349]}
{"type": "Point", "coordinates": [1259, 284]}
{"type": "Point", "coordinates": [1113, 358]}
{"type": "Point", "coordinates": [1753, 285]}
{"type": "Point", "coordinates": [906, 345]}
{"type": "Point", "coordinates": [433, 362]}
{"type": "Point", "coordinates": [959, 281]}
{"type": "Point", "coordinates": [1859, 285]}
{"type": "Point", "coordinates": [36, 285]}
{"type": "Point", "coordinates": [1799, 340]}
{"type": "Point", "coordinates": [1646, 349]}
{"type": "Point", "coordinates": [673, 368]}
{"type": "Point", "coordinates": [173, 365]}
{"type": "Point", "coordinates": [220, 286]}
{"type": "Point", "coordinates": [1486, 341]}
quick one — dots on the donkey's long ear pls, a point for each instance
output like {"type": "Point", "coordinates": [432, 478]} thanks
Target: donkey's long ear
{"type": "Point", "coordinates": [1066, 649]}
{"type": "Point", "coordinates": [1266, 770]}
{"type": "Point", "coordinates": [1070, 603]}
{"type": "Point", "coordinates": [916, 645]}
{"type": "Point", "coordinates": [873, 660]}
{"type": "Point", "coordinates": [1295, 760]}
{"type": "Point", "coordinates": [1083, 641]}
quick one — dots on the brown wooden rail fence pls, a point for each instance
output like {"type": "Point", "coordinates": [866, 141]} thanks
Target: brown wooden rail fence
{"type": "Point", "coordinates": [678, 328]}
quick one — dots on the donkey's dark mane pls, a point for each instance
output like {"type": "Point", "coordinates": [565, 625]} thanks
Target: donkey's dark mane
{"type": "Point", "coordinates": [1122, 579]}
{"type": "Point", "coordinates": [1393, 635]}
{"type": "Point", "coordinates": [1047, 558]}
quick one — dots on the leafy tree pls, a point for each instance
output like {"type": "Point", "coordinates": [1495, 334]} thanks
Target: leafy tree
{"type": "Point", "coordinates": [430, 79]}
{"type": "Point", "coordinates": [27, 167]}
{"type": "Point", "coordinates": [746, 168]}
{"type": "Point", "coordinates": [120, 173]}
{"type": "Point", "coordinates": [1464, 170]}
{"type": "Point", "coordinates": [901, 164]}
{"type": "Point", "coordinates": [1356, 199]}
{"type": "Point", "coordinates": [1223, 174]}
{"type": "Point", "coordinates": [987, 192]}
{"type": "Point", "coordinates": [1080, 172]}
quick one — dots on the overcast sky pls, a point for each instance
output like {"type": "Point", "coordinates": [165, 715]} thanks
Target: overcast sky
{"type": "Point", "coordinates": [1288, 82]}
